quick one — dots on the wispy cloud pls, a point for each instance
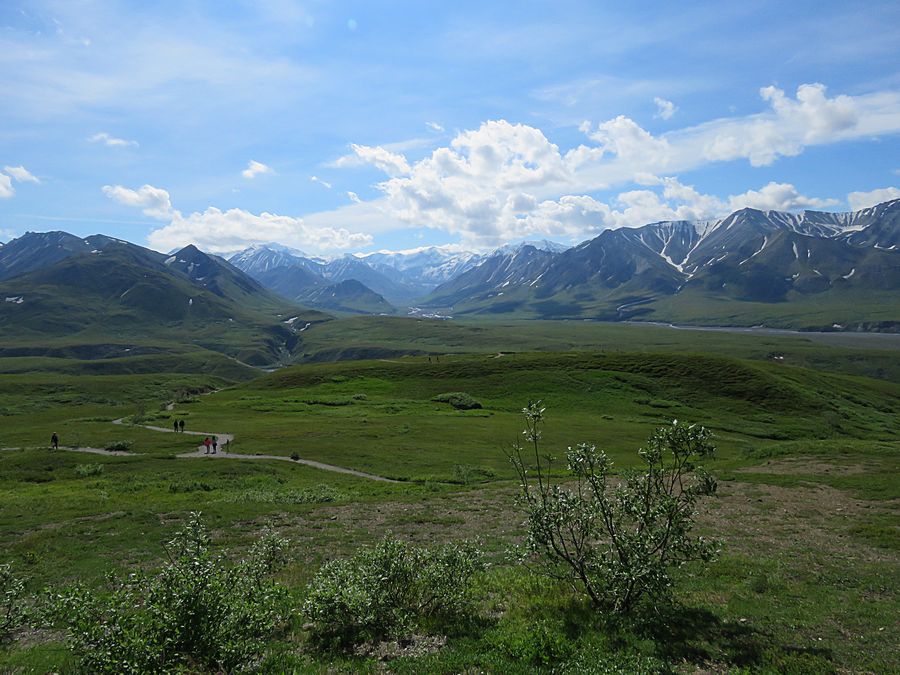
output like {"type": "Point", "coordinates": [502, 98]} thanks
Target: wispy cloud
{"type": "Point", "coordinates": [664, 109]}
{"type": "Point", "coordinates": [323, 183]}
{"type": "Point", "coordinates": [21, 174]}
{"type": "Point", "coordinates": [255, 169]}
{"type": "Point", "coordinates": [434, 126]}
{"type": "Point", "coordinates": [18, 173]}
{"type": "Point", "coordinates": [112, 141]}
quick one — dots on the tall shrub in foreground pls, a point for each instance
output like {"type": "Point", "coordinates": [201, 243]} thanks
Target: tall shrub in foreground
{"type": "Point", "coordinates": [614, 538]}
{"type": "Point", "coordinates": [390, 589]}
{"type": "Point", "coordinates": [197, 610]}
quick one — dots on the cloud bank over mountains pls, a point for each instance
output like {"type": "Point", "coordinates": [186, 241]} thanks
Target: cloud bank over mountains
{"type": "Point", "coordinates": [505, 181]}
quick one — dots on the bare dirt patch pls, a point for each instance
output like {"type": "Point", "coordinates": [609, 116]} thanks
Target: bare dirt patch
{"type": "Point", "coordinates": [796, 522]}
{"type": "Point", "coordinates": [800, 466]}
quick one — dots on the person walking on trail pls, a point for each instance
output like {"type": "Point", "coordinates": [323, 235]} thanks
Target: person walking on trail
{"type": "Point", "coordinates": [181, 426]}
{"type": "Point", "coordinates": [207, 443]}
{"type": "Point", "coordinates": [54, 441]}
{"type": "Point", "coordinates": [175, 426]}
{"type": "Point", "coordinates": [215, 443]}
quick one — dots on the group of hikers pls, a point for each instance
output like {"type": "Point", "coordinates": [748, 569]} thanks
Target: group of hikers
{"type": "Point", "coordinates": [177, 427]}
{"type": "Point", "coordinates": [208, 442]}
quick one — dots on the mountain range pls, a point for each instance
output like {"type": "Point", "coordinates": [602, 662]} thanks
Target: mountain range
{"type": "Point", "coordinates": [100, 296]}
{"type": "Point", "coordinates": [389, 279]}
{"type": "Point", "coordinates": [809, 270]}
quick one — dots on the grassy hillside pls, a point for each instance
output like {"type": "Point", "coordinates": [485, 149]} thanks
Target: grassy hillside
{"type": "Point", "coordinates": [806, 511]}
{"type": "Point", "coordinates": [385, 337]}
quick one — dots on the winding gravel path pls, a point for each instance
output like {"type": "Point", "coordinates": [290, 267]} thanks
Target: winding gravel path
{"type": "Point", "coordinates": [225, 439]}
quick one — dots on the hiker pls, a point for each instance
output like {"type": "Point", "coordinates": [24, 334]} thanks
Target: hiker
{"type": "Point", "coordinates": [215, 443]}
{"type": "Point", "coordinates": [181, 425]}
{"type": "Point", "coordinates": [175, 426]}
{"type": "Point", "coordinates": [54, 441]}
{"type": "Point", "coordinates": [207, 443]}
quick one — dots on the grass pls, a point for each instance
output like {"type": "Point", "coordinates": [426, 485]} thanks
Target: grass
{"type": "Point", "coordinates": [807, 509]}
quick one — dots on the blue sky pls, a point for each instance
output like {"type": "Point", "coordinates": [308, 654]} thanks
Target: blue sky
{"type": "Point", "coordinates": [356, 126]}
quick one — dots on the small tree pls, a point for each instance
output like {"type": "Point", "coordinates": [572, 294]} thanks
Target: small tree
{"type": "Point", "coordinates": [615, 539]}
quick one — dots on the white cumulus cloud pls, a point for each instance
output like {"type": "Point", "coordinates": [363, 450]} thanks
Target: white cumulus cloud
{"type": "Point", "coordinates": [664, 109]}
{"type": "Point", "coordinates": [152, 201]}
{"type": "Point", "coordinates": [353, 197]}
{"type": "Point", "coordinates": [778, 197]}
{"type": "Point", "coordinates": [111, 141]}
{"type": "Point", "coordinates": [863, 200]}
{"type": "Point", "coordinates": [255, 169]}
{"type": "Point", "coordinates": [6, 188]}
{"type": "Point", "coordinates": [220, 231]}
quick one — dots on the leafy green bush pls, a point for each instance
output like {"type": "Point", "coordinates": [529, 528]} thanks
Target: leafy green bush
{"type": "Point", "coordinates": [390, 589]}
{"type": "Point", "coordinates": [540, 643]}
{"type": "Point", "coordinates": [12, 606]}
{"type": "Point", "coordinates": [196, 610]}
{"type": "Point", "coordinates": [87, 470]}
{"type": "Point", "coordinates": [459, 400]}
{"type": "Point", "coordinates": [120, 446]}
{"type": "Point", "coordinates": [615, 539]}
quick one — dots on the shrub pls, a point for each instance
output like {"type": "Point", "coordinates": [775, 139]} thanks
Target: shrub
{"type": "Point", "coordinates": [195, 610]}
{"type": "Point", "coordinates": [190, 486]}
{"type": "Point", "coordinates": [120, 446]}
{"type": "Point", "coordinates": [541, 643]}
{"type": "Point", "coordinates": [615, 540]}
{"type": "Point", "coordinates": [86, 470]}
{"type": "Point", "coordinates": [295, 456]}
{"type": "Point", "coordinates": [360, 397]}
{"type": "Point", "coordinates": [12, 607]}
{"type": "Point", "coordinates": [466, 474]}
{"type": "Point", "coordinates": [390, 589]}
{"type": "Point", "coordinates": [458, 399]}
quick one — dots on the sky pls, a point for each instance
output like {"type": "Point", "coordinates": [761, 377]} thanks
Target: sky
{"type": "Point", "coordinates": [337, 127]}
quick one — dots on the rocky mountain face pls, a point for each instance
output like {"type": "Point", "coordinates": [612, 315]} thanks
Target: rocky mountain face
{"type": "Point", "coordinates": [748, 257]}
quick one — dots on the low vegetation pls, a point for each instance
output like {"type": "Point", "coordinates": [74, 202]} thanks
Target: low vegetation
{"type": "Point", "coordinates": [391, 590]}
{"type": "Point", "coordinates": [805, 510]}
{"type": "Point", "coordinates": [198, 610]}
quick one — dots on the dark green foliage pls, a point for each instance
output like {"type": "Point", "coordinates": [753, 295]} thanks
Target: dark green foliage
{"type": "Point", "coordinates": [196, 610]}
{"type": "Point", "coordinates": [390, 589]}
{"type": "Point", "coordinates": [615, 539]}
{"type": "Point", "coordinates": [459, 400]}
{"type": "Point", "coordinates": [541, 643]}
{"type": "Point", "coordinates": [12, 607]}
{"type": "Point", "coordinates": [120, 446]}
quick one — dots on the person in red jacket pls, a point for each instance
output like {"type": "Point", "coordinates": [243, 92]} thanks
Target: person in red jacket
{"type": "Point", "coordinates": [207, 443]}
